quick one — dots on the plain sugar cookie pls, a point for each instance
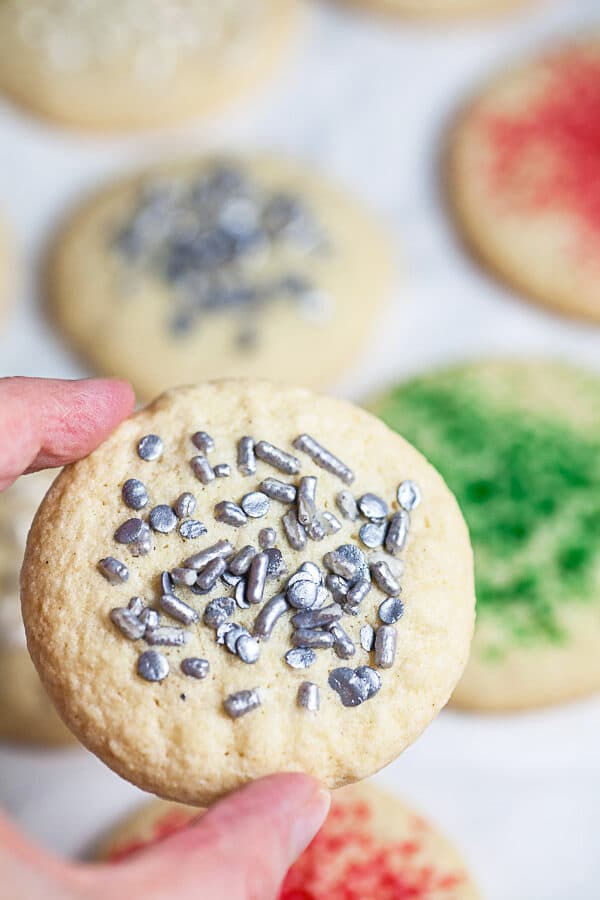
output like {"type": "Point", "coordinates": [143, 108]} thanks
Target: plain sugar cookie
{"type": "Point", "coordinates": [519, 444]}
{"type": "Point", "coordinates": [107, 64]}
{"type": "Point", "coordinates": [26, 713]}
{"type": "Point", "coordinates": [221, 267]}
{"type": "Point", "coordinates": [247, 579]}
{"type": "Point", "coordinates": [370, 843]}
{"type": "Point", "coordinates": [523, 178]}
{"type": "Point", "coordinates": [440, 9]}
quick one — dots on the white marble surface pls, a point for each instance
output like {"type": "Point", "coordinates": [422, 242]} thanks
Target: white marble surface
{"type": "Point", "coordinates": [368, 101]}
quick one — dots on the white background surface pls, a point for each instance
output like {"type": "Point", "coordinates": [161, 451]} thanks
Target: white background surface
{"type": "Point", "coordinates": [368, 101]}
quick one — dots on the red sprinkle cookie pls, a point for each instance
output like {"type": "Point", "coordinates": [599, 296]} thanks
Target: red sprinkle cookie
{"type": "Point", "coordinates": [524, 178]}
{"type": "Point", "coordinates": [370, 848]}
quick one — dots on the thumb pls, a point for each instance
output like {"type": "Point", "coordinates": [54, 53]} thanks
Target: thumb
{"type": "Point", "coordinates": [241, 849]}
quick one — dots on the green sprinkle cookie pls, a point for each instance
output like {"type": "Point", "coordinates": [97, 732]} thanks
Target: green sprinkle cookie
{"type": "Point", "coordinates": [519, 445]}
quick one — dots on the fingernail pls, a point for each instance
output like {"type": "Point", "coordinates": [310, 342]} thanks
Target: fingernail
{"type": "Point", "coordinates": [309, 819]}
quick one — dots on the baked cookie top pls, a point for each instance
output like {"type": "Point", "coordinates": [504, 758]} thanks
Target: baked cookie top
{"type": "Point", "coordinates": [523, 176]}
{"type": "Point", "coordinates": [371, 842]}
{"type": "Point", "coordinates": [221, 266]}
{"type": "Point", "coordinates": [109, 64]}
{"type": "Point", "coordinates": [518, 443]}
{"type": "Point", "coordinates": [247, 579]}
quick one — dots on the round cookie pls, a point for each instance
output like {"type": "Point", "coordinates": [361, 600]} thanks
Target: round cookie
{"type": "Point", "coordinates": [370, 842]}
{"type": "Point", "coordinates": [524, 182]}
{"type": "Point", "coordinates": [440, 9]}
{"type": "Point", "coordinates": [220, 267]}
{"type": "Point", "coordinates": [109, 65]}
{"type": "Point", "coordinates": [26, 714]}
{"type": "Point", "coordinates": [278, 675]}
{"type": "Point", "coordinates": [519, 444]}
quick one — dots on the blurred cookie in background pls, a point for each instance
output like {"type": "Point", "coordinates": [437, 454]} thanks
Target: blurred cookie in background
{"type": "Point", "coordinates": [26, 713]}
{"type": "Point", "coordinates": [107, 64]}
{"type": "Point", "coordinates": [220, 267]}
{"type": "Point", "coordinates": [371, 846]}
{"type": "Point", "coordinates": [441, 9]}
{"type": "Point", "coordinates": [524, 177]}
{"type": "Point", "coordinates": [519, 444]}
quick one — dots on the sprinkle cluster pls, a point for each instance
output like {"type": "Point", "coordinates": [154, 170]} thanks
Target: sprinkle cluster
{"type": "Point", "coordinates": [155, 36]}
{"type": "Point", "coordinates": [314, 598]}
{"type": "Point", "coordinates": [207, 238]}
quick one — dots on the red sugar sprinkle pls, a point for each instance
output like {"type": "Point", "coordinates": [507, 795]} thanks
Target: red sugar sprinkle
{"type": "Point", "coordinates": [344, 861]}
{"type": "Point", "coordinates": [563, 124]}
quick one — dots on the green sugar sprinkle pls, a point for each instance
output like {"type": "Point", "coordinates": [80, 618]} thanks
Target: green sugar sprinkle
{"type": "Point", "coordinates": [529, 488]}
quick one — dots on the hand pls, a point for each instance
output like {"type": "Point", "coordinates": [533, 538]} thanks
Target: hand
{"type": "Point", "coordinates": [242, 848]}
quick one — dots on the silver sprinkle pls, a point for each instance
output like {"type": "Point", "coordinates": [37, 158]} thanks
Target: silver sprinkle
{"type": "Point", "coordinates": [373, 507]}
{"type": "Point", "coordinates": [300, 657]}
{"type": "Point", "coordinates": [178, 609]}
{"type": "Point", "coordinates": [357, 593]}
{"type": "Point", "coordinates": [277, 458]}
{"type": "Point", "coordinates": [129, 531]}
{"type": "Point", "coordinates": [385, 646]}
{"type": "Point", "coordinates": [166, 636]}
{"type": "Point", "coordinates": [269, 615]}
{"type": "Point", "coordinates": [231, 638]}
{"type": "Point", "coordinates": [185, 505]}
{"type": "Point", "coordinates": [311, 570]}
{"type": "Point", "coordinates": [302, 594]}
{"type": "Point", "coordinates": [150, 619]}
{"type": "Point", "coordinates": [409, 495]}
{"type": "Point", "coordinates": [242, 702]}
{"type": "Point", "coordinates": [342, 643]}
{"type": "Point", "coordinates": [152, 666]}
{"type": "Point", "coordinates": [211, 573]}
{"type": "Point", "coordinates": [218, 611]}
{"type": "Point", "coordinates": [367, 637]}
{"type": "Point", "coordinates": [202, 469]}
{"type": "Point", "coordinates": [315, 530]}
{"type": "Point", "coordinates": [150, 447]}
{"type": "Point", "coordinates": [223, 630]}
{"type": "Point", "coordinates": [191, 529]}
{"type": "Point", "coordinates": [294, 531]}
{"type": "Point", "coordinates": [194, 667]}
{"type": "Point", "coordinates": [308, 696]}
{"type": "Point", "coordinates": [134, 494]}
{"type": "Point", "coordinates": [113, 570]}
{"type": "Point", "coordinates": [267, 538]}
{"type": "Point", "coordinates": [162, 519]}
{"type": "Point", "coordinates": [247, 649]}
{"type": "Point", "coordinates": [307, 492]}
{"type": "Point", "coordinates": [354, 554]}
{"type": "Point", "coordinates": [186, 577]}
{"type": "Point", "coordinates": [323, 457]}
{"type": "Point", "coordinates": [338, 586]}
{"type": "Point", "coordinates": [329, 522]}
{"type": "Point", "coordinates": [230, 513]}
{"type": "Point", "coordinates": [166, 582]}
{"type": "Point", "coordinates": [352, 690]}
{"type": "Point", "coordinates": [391, 610]}
{"type": "Point", "coordinates": [257, 575]}
{"type": "Point", "coordinates": [278, 490]}
{"type": "Point", "coordinates": [307, 637]}
{"type": "Point", "coordinates": [199, 560]}
{"type": "Point", "coordinates": [246, 460]}
{"type": "Point", "coordinates": [346, 504]}
{"type": "Point", "coordinates": [383, 576]}
{"type": "Point", "coordinates": [128, 623]}
{"type": "Point", "coordinates": [340, 565]}
{"type": "Point", "coordinates": [397, 532]}
{"type": "Point", "coordinates": [371, 678]}
{"type": "Point", "coordinates": [256, 504]}
{"type": "Point", "coordinates": [240, 563]}
{"type": "Point", "coordinates": [372, 534]}
{"type": "Point", "coordinates": [230, 579]}
{"type": "Point", "coordinates": [240, 594]}
{"type": "Point", "coordinates": [136, 606]}
{"type": "Point", "coordinates": [222, 470]}
{"type": "Point", "coordinates": [143, 544]}
{"type": "Point", "coordinates": [203, 441]}
{"type": "Point", "coordinates": [317, 618]}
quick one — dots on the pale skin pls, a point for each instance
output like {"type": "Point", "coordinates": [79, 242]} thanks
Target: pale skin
{"type": "Point", "coordinates": [242, 848]}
